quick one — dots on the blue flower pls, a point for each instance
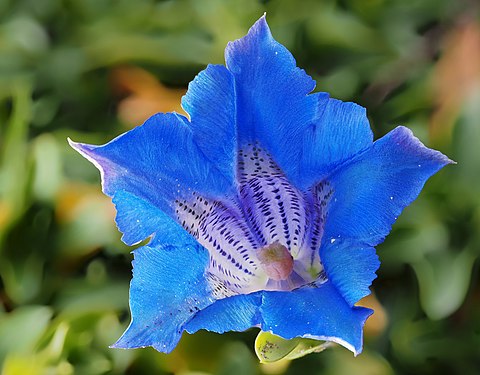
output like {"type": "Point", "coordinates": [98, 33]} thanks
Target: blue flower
{"type": "Point", "coordinates": [262, 209]}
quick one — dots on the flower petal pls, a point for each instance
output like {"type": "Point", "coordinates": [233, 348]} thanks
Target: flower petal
{"type": "Point", "coordinates": [157, 162]}
{"type": "Point", "coordinates": [339, 131]}
{"type": "Point", "coordinates": [237, 313]}
{"type": "Point", "coordinates": [312, 312]}
{"type": "Point", "coordinates": [268, 85]}
{"type": "Point", "coordinates": [350, 267]}
{"type": "Point", "coordinates": [167, 289]}
{"type": "Point", "coordinates": [319, 313]}
{"type": "Point", "coordinates": [271, 92]}
{"type": "Point", "coordinates": [137, 219]}
{"type": "Point", "coordinates": [210, 102]}
{"type": "Point", "coordinates": [371, 190]}
{"type": "Point", "coordinates": [304, 133]}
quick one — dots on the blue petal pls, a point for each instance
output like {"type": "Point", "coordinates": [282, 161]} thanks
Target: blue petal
{"type": "Point", "coordinates": [237, 313]}
{"type": "Point", "coordinates": [340, 131]}
{"type": "Point", "coordinates": [272, 103]}
{"type": "Point", "coordinates": [304, 133]}
{"type": "Point", "coordinates": [167, 289]}
{"type": "Point", "coordinates": [372, 189]}
{"type": "Point", "coordinates": [319, 313]}
{"type": "Point", "coordinates": [137, 219]}
{"type": "Point", "coordinates": [210, 102]}
{"type": "Point", "coordinates": [157, 162]}
{"type": "Point", "coordinates": [268, 84]}
{"type": "Point", "coordinates": [314, 312]}
{"type": "Point", "coordinates": [350, 267]}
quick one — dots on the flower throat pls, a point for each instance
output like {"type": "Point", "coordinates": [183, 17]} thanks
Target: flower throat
{"type": "Point", "coordinates": [266, 237]}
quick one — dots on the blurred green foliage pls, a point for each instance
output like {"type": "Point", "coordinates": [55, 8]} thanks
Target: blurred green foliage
{"type": "Point", "coordinates": [83, 68]}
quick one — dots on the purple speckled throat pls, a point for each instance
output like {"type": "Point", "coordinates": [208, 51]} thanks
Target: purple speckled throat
{"type": "Point", "coordinates": [267, 237]}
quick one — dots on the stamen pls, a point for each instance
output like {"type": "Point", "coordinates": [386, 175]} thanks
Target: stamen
{"type": "Point", "coordinates": [276, 261]}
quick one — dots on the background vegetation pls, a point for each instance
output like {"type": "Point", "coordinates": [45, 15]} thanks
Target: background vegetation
{"type": "Point", "coordinates": [91, 69]}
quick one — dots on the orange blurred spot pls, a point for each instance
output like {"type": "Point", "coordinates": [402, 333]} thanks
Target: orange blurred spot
{"type": "Point", "coordinates": [145, 95]}
{"type": "Point", "coordinates": [456, 75]}
{"type": "Point", "coordinates": [5, 214]}
{"type": "Point", "coordinates": [378, 321]}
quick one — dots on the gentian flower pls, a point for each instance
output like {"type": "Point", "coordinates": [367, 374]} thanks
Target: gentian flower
{"type": "Point", "coordinates": [262, 209]}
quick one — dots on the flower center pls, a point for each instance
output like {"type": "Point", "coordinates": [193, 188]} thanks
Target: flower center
{"type": "Point", "coordinates": [267, 237]}
{"type": "Point", "coordinates": [276, 261]}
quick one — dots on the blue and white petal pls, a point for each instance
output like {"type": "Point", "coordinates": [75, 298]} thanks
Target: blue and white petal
{"type": "Point", "coordinates": [271, 94]}
{"type": "Point", "coordinates": [158, 162]}
{"type": "Point", "coordinates": [305, 133]}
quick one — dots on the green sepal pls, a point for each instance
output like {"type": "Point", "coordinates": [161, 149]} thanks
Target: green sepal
{"type": "Point", "coordinates": [272, 348]}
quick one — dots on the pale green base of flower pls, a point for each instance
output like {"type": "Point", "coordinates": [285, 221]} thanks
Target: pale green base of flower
{"type": "Point", "coordinates": [272, 348]}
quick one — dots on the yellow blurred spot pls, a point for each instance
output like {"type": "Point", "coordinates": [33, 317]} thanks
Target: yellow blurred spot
{"type": "Point", "coordinates": [34, 364]}
{"type": "Point", "coordinates": [275, 368]}
{"type": "Point", "coordinates": [457, 74]}
{"type": "Point", "coordinates": [86, 218]}
{"type": "Point", "coordinates": [145, 95]}
{"type": "Point", "coordinates": [368, 363]}
{"type": "Point", "coordinates": [378, 321]}
{"type": "Point", "coordinates": [21, 365]}
{"type": "Point", "coordinates": [72, 197]}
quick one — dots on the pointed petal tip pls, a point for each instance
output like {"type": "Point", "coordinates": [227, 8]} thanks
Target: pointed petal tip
{"type": "Point", "coordinates": [82, 148]}
{"type": "Point", "coordinates": [259, 30]}
{"type": "Point", "coordinates": [87, 151]}
{"type": "Point", "coordinates": [263, 20]}
{"type": "Point", "coordinates": [260, 26]}
{"type": "Point", "coordinates": [124, 346]}
{"type": "Point", "coordinates": [404, 132]}
{"type": "Point", "coordinates": [126, 341]}
{"type": "Point", "coordinates": [73, 144]}
{"type": "Point", "coordinates": [119, 344]}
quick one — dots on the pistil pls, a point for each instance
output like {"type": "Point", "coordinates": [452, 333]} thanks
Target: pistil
{"type": "Point", "coordinates": [276, 261]}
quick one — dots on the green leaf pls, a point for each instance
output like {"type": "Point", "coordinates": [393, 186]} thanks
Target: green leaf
{"type": "Point", "coordinates": [22, 329]}
{"type": "Point", "coordinates": [444, 281]}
